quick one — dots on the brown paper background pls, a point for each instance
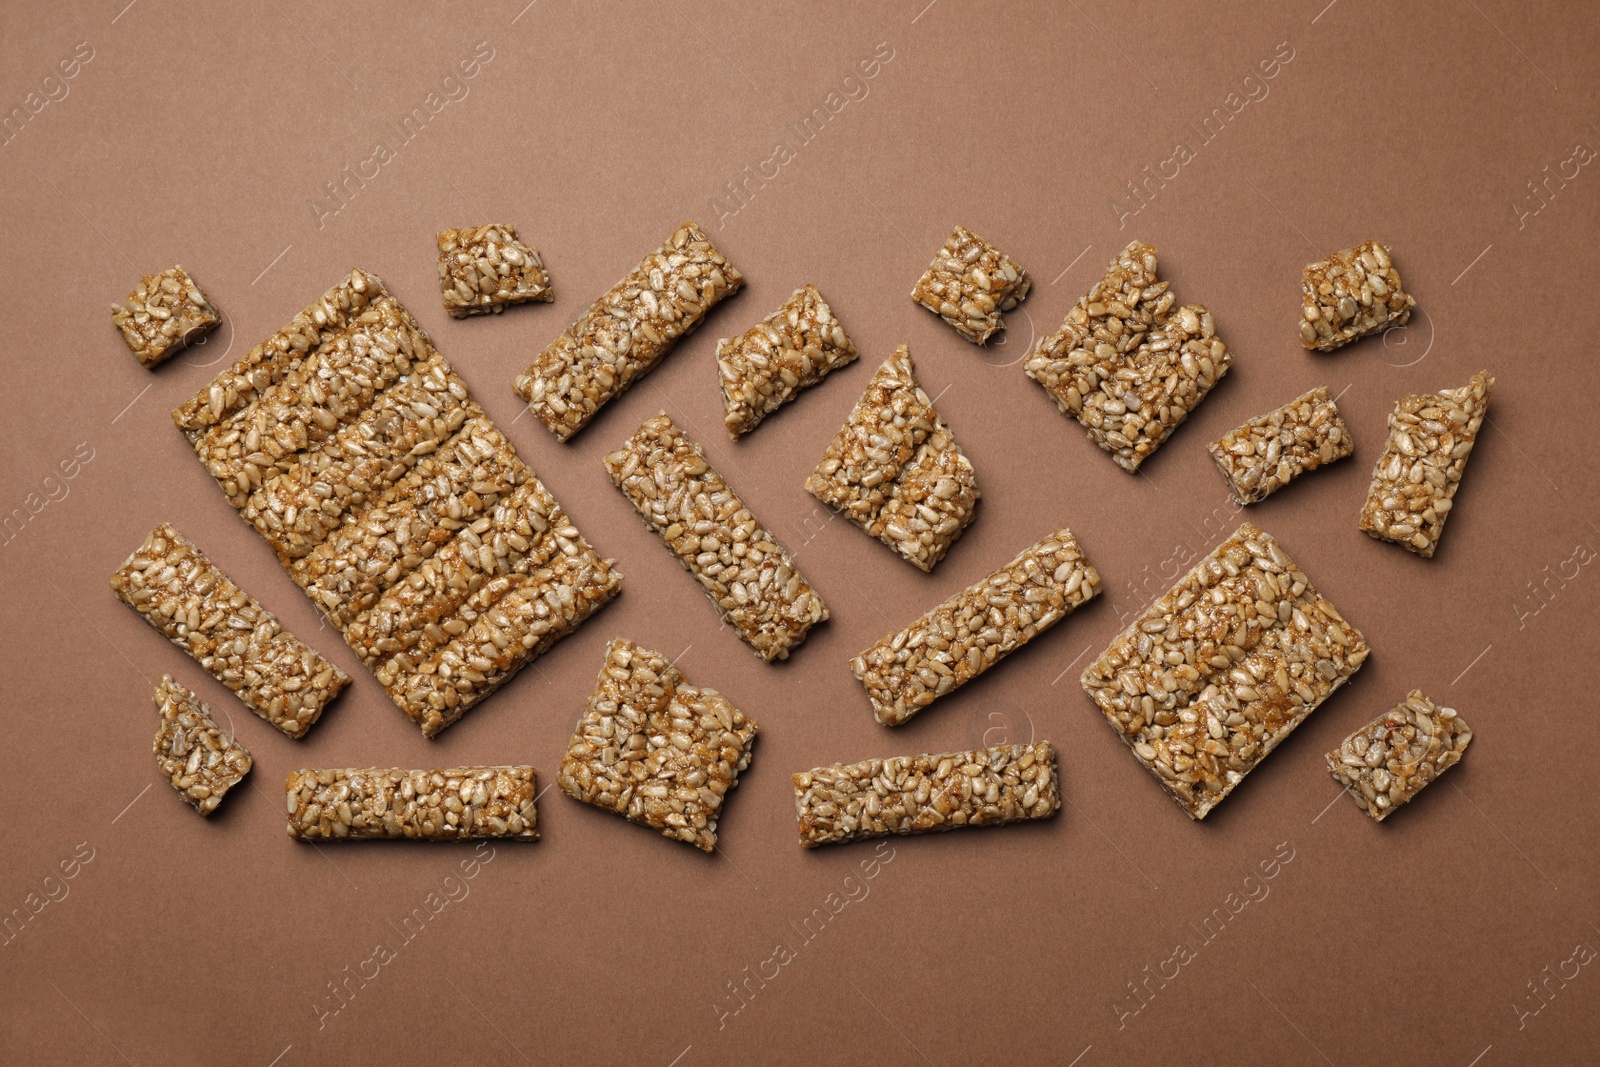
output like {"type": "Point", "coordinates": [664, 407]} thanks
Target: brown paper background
{"type": "Point", "coordinates": [201, 136]}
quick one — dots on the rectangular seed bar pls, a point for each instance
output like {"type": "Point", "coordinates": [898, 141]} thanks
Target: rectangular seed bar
{"type": "Point", "coordinates": [626, 332]}
{"type": "Point", "coordinates": [484, 268]}
{"type": "Point", "coordinates": [240, 643]}
{"type": "Point", "coordinates": [922, 794]}
{"type": "Point", "coordinates": [1388, 761]}
{"type": "Point", "coordinates": [356, 804]}
{"type": "Point", "coordinates": [200, 761]}
{"type": "Point", "coordinates": [1349, 295]}
{"type": "Point", "coordinates": [164, 313]}
{"type": "Point", "coordinates": [976, 628]}
{"type": "Point", "coordinates": [969, 283]}
{"type": "Point", "coordinates": [1414, 481]}
{"type": "Point", "coordinates": [766, 367]}
{"type": "Point", "coordinates": [747, 575]}
{"type": "Point", "coordinates": [1223, 667]}
{"type": "Point", "coordinates": [1269, 451]}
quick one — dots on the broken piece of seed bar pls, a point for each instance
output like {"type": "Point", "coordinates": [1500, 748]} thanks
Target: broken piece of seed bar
{"type": "Point", "coordinates": [484, 268]}
{"type": "Point", "coordinates": [767, 366]}
{"type": "Point", "coordinates": [969, 283]}
{"type": "Point", "coordinates": [922, 794]}
{"type": "Point", "coordinates": [357, 804]}
{"type": "Point", "coordinates": [1269, 451]}
{"type": "Point", "coordinates": [747, 575]}
{"type": "Point", "coordinates": [1414, 481]}
{"type": "Point", "coordinates": [1388, 761]}
{"type": "Point", "coordinates": [240, 643]}
{"type": "Point", "coordinates": [1349, 295]}
{"type": "Point", "coordinates": [1223, 667]}
{"type": "Point", "coordinates": [625, 333]}
{"type": "Point", "coordinates": [1128, 365]}
{"type": "Point", "coordinates": [200, 761]}
{"type": "Point", "coordinates": [976, 628]}
{"type": "Point", "coordinates": [165, 313]}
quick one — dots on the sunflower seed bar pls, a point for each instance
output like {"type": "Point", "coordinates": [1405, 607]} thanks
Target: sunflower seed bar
{"type": "Point", "coordinates": [1349, 295]}
{"type": "Point", "coordinates": [766, 367]}
{"type": "Point", "coordinates": [1388, 761]}
{"type": "Point", "coordinates": [655, 749]}
{"type": "Point", "coordinates": [747, 575]}
{"type": "Point", "coordinates": [1268, 452]}
{"type": "Point", "coordinates": [626, 332]}
{"type": "Point", "coordinates": [181, 593]}
{"type": "Point", "coordinates": [200, 761]}
{"type": "Point", "coordinates": [1127, 365]}
{"type": "Point", "coordinates": [163, 315]}
{"type": "Point", "coordinates": [969, 283]}
{"type": "Point", "coordinates": [484, 268]}
{"type": "Point", "coordinates": [1222, 668]}
{"type": "Point", "coordinates": [1414, 482]}
{"type": "Point", "coordinates": [357, 804]}
{"type": "Point", "coordinates": [922, 794]}
{"type": "Point", "coordinates": [977, 628]}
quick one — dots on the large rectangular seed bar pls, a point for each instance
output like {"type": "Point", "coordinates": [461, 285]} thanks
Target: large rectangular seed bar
{"type": "Point", "coordinates": [355, 804]}
{"type": "Point", "coordinates": [923, 794]}
{"type": "Point", "coordinates": [200, 761]}
{"type": "Point", "coordinates": [1269, 451]}
{"type": "Point", "coordinates": [1388, 761]}
{"type": "Point", "coordinates": [976, 628]}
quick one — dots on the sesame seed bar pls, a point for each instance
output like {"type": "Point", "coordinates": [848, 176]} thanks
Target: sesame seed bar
{"type": "Point", "coordinates": [1349, 295]}
{"type": "Point", "coordinates": [976, 628]}
{"type": "Point", "coordinates": [240, 643]}
{"type": "Point", "coordinates": [1269, 451]}
{"type": "Point", "coordinates": [1223, 667]}
{"type": "Point", "coordinates": [748, 576]}
{"type": "Point", "coordinates": [1127, 365]}
{"type": "Point", "coordinates": [482, 269]}
{"type": "Point", "coordinates": [655, 749]}
{"type": "Point", "coordinates": [923, 794]}
{"type": "Point", "coordinates": [766, 367]}
{"type": "Point", "coordinates": [896, 471]}
{"type": "Point", "coordinates": [969, 283]}
{"type": "Point", "coordinates": [1387, 762]}
{"type": "Point", "coordinates": [627, 331]}
{"type": "Point", "coordinates": [1414, 481]}
{"type": "Point", "coordinates": [163, 315]}
{"type": "Point", "coordinates": [357, 804]}
{"type": "Point", "coordinates": [200, 761]}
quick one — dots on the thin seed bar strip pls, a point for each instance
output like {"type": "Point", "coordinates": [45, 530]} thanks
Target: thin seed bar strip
{"type": "Point", "coordinates": [200, 761]}
{"type": "Point", "coordinates": [766, 367]}
{"type": "Point", "coordinates": [977, 628]}
{"type": "Point", "coordinates": [357, 804]}
{"type": "Point", "coordinates": [1223, 667]}
{"type": "Point", "coordinates": [1268, 452]}
{"type": "Point", "coordinates": [163, 315]}
{"type": "Point", "coordinates": [1349, 295]}
{"type": "Point", "coordinates": [482, 269]}
{"type": "Point", "coordinates": [1387, 762]}
{"type": "Point", "coordinates": [747, 575]}
{"type": "Point", "coordinates": [655, 749]}
{"type": "Point", "coordinates": [969, 283]}
{"type": "Point", "coordinates": [240, 643]}
{"type": "Point", "coordinates": [625, 333]}
{"type": "Point", "coordinates": [1414, 482]}
{"type": "Point", "coordinates": [923, 794]}
{"type": "Point", "coordinates": [1126, 364]}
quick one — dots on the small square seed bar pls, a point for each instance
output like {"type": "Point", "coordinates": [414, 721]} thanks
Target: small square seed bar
{"type": "Point", "coordinates": [969, 283]}
{"type": "Point", "coordinates": [896, 471]}
{"type": "Point", "coordinates": [240, 643]}
{"type": "Point", "coordinates": [766, 367]}
{"type": "Point", "coordinates": [200, 761]}
{"type": "Point", "coordinates": [1349, 295]}
{"type": "Point", "coordinates": [1128, 365]}
{"type": "Point", "coordinates": [747, 575]}
{"type": "Point", "coordinates": [625, 333]}
{"type": "Point", "coordinates": [1388, 761]}
{"type": "Point", "coordinates": [977, 628]}
{"type": "Point", "coordinates": [484, 268]}
{"type": "Point", "coordinates": [1223, 667]}
{"type": "Point", "coordinates": [1414, 482]}
{"type": "Point", "coordinates": [164, 314]}
{"type": "Point", "coordinates": [1268, 452]}
{"type": "Point", "coordinates": [923, 794]}
{"type": "Point", "coordinates": [356, 804]}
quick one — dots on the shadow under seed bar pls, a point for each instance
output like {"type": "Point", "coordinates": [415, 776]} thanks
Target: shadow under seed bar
{"type": "Point", "coordinates": [447, 805]}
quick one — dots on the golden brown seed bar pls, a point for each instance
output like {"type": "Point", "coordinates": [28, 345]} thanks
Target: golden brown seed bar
{"type": "Point", "coordinates": [1387, 762]}
{"type": "Point", "coordinates": [200, 761]}
{"type": "Point", "coordinates": [163, 315]}
{"type": "Point", "coordinates": [355, 804]}
{"type": "Point", "coordinates": [482, 269]}
{"type": "Point", "coordinates": [766, 367]}
{"type": "Point", "coordinates": [1269, 451]}
{"type": "Point", "coordinates": [1349, 295]}
{"type": "Point", "coordinates": [969, 283]}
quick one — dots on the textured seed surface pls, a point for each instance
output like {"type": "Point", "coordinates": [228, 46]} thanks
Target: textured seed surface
{"type": "Point", "coordinates": [200, 761]}
{"type": "Point", "coordinates": [164, 314]}
{"type": "Point", "coordinates": [362, 804]}
{"type": "Point", "coordinates": [970, 283]}
{"type": "Point", "coordinates": [1349, 295]}
{"type": "Point", "coordinates": [767, 366]}
{"type": "Point", "coordinates": [1388, 761]}
{"type": "Point", "coordinates": [482, 269]}
{"type": "Point", "coordinates": [1269, 451]}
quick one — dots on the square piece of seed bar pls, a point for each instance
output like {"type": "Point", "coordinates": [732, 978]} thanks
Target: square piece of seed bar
{"type": "Point", "coordinates": [969, 283]}
{"type": "Point", "coordinates": [896, 471]}
{"type": "Point", "coordinates": [1269, 451]}
{"type": "Point", "coordinates": [1349, 295]}
{"type": "Point", "coordinates": [1128, 365]}
{"type": "Point", "coordinates": [1388, 761]}
{"type": "Point", "coordinates": [1223, 667]}
{"type": "Point", "coordinates": [625, 333]}
{"type": "Point", "coordinates": [365, 804]}
{"type": "Point", "coordinates": [200, 761]}
{"type": "Point", "coordinates": [767, 366]}
{"type": "Point", "coordinates": [747, 575]}
{"type": "Point", "coordinates": [164, 314]}
{"type": "Point", "coordinates": [976, 628]}
{"type": "Point", "coordinates": [484, 268]}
